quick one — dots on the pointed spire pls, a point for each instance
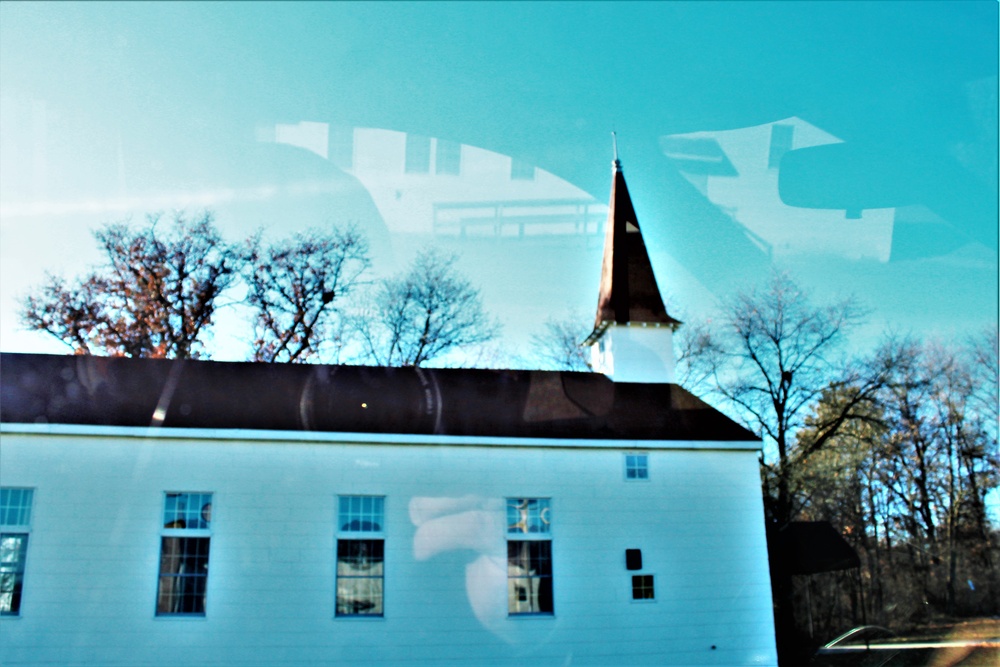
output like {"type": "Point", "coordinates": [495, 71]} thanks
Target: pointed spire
{"type": "Point", "coordinates": [628, 291]}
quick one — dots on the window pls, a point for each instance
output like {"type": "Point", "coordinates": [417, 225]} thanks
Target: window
{"type": "Point", "coordinates": [636, 466]}
{"type": "Point", "coordinates": [418, 154]}
{"type": "Point", "coordinates": [448, 157]}
{"type": "Point", "coordinates": [642, 584]}
{"type": "Point", "coordinates": [184, 548]}
{"type": "Point", "coordinates": [360, 555]}
{"type": "Point", "coordinates": [529, 556]}
{"type": "Point", "coordinates": [15, 518]}
{"type": "Point", "coordinates": [642, 587]}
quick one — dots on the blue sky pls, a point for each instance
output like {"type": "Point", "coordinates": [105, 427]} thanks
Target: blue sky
{"type": "Point", "coordinates": [117, 109]}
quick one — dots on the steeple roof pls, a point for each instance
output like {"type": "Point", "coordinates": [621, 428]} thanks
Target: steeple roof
{"type": "Point", "coordinates": [628, 291]}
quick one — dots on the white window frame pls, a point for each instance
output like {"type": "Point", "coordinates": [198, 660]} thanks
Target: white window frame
{"type": "Point", "coordinates": [347, 534]}
{"type": "Point", "coordinates": [201, 530]}
{"type": "Point", "coordinates": [643, 468]}
{"type": "Point", "coordinates": [20, 528]}
{"type": "Point", "coordinates": [525, 527]}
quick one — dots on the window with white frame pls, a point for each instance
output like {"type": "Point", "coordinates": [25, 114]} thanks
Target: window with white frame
{"type": "Point", "coordinates": [529, 556]}
{"type": "Point", "coordinates": [360, 555]}
{"type": "Point", "coordinates": [15, 520]}
{"type": "Point", "coordinates": [184, 548]}
{"type": "Point", "coordinates": [636, 466]}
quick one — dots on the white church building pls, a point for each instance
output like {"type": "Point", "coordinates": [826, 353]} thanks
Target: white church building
{"type": "Point", "coordinates": [175, 512]}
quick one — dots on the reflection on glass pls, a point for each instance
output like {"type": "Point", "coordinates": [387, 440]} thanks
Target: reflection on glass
{"type": "Point", "coordinates": [636, 466]}
{"type": "Point", "coordinates": [528, 515]}
{"type": "Point", "coordinates": [187, 510]}
{"type": "Point", "coordinates": [361, 513]}
{"type": "Point", "coordinates": [15, 506]}
{"type": "Point", "coordinates": [529, 577]}
{"type": "Point", "coordinates": [183, 575]}
{"type": "Point", "coordinates": [359, 577]}
{"type": "Point", "coordinates": [13, 549]}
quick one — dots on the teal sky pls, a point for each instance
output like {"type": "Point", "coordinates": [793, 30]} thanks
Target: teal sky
{"type": "Point", "coordinates": [117, 109]}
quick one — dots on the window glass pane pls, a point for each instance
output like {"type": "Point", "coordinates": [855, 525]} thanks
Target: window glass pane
{"type": "Point", "coordinates": [418, 154]}
{"type": "Point", "coordinates": [637, 466]}
{"type": "Point", "coordinates": [183, 575]}
{"type": "Point", "coordinates": [359, 577]}
{"type": "Point", "coordinates": [13, 549]}
{"type": "Point", "coordinates": [528, 515]}
{"type": "Point", "coordinates": [192, 511]}
{"type": "Point", "coordinates": [529, 577]}
{"type": "Point", "coordinates": [448, 157]}
{"type": "Point", "coordinates": [642, 587]}
{"type": "Point", "coordinates": [361, 514]}
{"type": "Point", "coordinates": [15, 506]}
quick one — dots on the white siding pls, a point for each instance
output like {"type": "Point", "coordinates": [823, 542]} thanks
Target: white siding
{"type": "Point", "coordinates": [90, 585]}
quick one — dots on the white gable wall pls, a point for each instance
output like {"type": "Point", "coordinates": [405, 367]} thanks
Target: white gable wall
{"type": "Point", "coordinates": [93, 554]}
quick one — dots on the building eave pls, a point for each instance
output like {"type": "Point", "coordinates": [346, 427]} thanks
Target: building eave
{"type": "Point", "coordinates": [315, 399]}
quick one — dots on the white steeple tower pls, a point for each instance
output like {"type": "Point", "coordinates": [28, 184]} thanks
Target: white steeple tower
{"type": "Point", "coordinates": [632, 339]}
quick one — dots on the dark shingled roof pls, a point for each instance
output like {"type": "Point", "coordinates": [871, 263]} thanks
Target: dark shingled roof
{"type": "Point", "coordinates": [628, 291]}
{"type": "Point", "coordinates": [40, 389]}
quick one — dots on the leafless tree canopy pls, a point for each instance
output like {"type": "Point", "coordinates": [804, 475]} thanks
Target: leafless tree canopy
{"type": "Point", "coordinates": [771, 358]}
{"type": "Point", "coordinates": [560, 347]}
{"type": "Point", "coordinates": [155, 297]}
{"type": "Point", "coordinates": [907, 488]}
{"type": "Point", "coordinates": [897, 449]}
{"type": "Point", "coordinates": [423, 314]}
{"type": "Point", "coordinates": [295, 287]}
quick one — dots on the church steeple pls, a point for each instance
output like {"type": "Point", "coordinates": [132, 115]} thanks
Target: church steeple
{"type": "Point", "coordinates": [629, 297]}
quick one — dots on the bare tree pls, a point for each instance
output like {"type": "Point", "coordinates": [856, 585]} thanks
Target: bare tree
{"type": "Point", "coordinates": [294, 287]}
{"type": "Point", "coordinates": [560, 346]}
{"type": "Point", "coordinates": [698, 355]}
{"type": "Point", "coordinates": [155, 297]}
{"type": "Point", "coordinates": [771, 359]}
{"type": "Point", "coordinates": [423, 314]}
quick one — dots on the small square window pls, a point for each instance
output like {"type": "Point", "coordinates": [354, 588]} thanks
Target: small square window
{"type": "Point", "coordinates": [642, 587]}
{"type": "Point", "coordinates": [636, 466]}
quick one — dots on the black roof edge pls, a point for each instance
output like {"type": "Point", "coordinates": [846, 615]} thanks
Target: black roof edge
{"type": "Point", "coordinates": [117, 391]}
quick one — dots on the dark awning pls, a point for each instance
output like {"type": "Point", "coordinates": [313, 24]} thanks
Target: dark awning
{"type": "Point", "coordinates": [810, 547]}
